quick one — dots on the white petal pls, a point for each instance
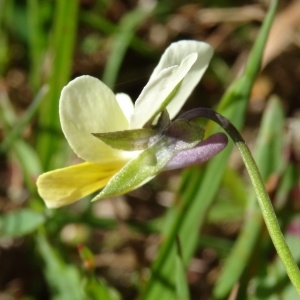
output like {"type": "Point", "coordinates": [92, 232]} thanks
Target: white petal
{"type": "Point", "coordinates": [126, 105]}
{"type": "Point", "coordinates": [178, 54]}
{"type": "Point", "coordinates": [173, 55]}
{"type": "Point", "coordinates": [157, 92]}
{"type": "Point", "coordinates": [88, 106]}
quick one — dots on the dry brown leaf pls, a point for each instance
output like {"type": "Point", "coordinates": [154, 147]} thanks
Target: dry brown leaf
{"type": "Point", "coordinates": [282, 32]}
{"type": "Point", "coordinates": [242, 14]}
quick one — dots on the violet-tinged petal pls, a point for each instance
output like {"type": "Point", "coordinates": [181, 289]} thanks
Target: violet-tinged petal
{"type": "Point", "coordinates": [200, 153]}
{"type": "Point", "coordinates": [153, 159]}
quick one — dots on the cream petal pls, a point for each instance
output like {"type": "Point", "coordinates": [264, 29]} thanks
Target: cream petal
{"type": "Point", "coordinates": [67, 185]}
{"type": "Point", "coordinates": [176, 55]}
{"type": "Point", "coordinates": [159, 91]}
{"type": "Point", "coordinates": [126, 105]}
{"type": "Point", "coordinates": [88, 106]}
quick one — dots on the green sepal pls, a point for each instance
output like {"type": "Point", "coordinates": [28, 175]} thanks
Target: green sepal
{"type": "Point", "coordinates": [178, 136]}
{"type": "Point", "coordinates": [128, 140]}
{"type": "Point", "coordinates": [163, 121]}
{"type": "Point", "coordinates": [138, 171]}
{"type": "Point", "coordinates": [185, 131]}
{"type": "Point", "coordinates": [135, 139]}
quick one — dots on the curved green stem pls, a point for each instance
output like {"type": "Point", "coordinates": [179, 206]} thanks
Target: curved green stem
{"type": "Point", "coordinates": [259, 187]}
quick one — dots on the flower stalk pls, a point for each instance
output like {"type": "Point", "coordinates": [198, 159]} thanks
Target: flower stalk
{"type": "Point", "coordinates": [264, 201]}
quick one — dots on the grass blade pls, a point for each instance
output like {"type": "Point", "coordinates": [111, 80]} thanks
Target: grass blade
{"type": "Point", "coordinates": [122, 39]}
{"type": "Point", "coordinates": [198, 194]}
{"type": "Point", "coordinates": [62, 52]}
{"type": "Point", "coordinates": [64, 280]}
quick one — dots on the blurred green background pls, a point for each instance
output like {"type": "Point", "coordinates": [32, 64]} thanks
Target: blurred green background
{"type": "Point", "coordinates": [106, 250]}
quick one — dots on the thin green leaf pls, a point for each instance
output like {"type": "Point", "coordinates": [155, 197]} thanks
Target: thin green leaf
{"type": "Point", "coordinates": [199, 192]}
{"type": "Point", "coordinates": [289, 180]}
{"type": "Point", "coordinates": [98, 289]}
{"type": "Point", "coordinates": [62, 47]}
{"type": "Point", "coordinates": [13, 127]}
{"type": "Point", "coordinates": [19, 223]}
{"type": "Point", "coordinates": [231, 200]}
{"type": "Point", "coordinates": [94, 287]}
{"type": "Point", "coordinates": [182, 288]}
{"type": "Point", "coordinates": [122, 40]}
{"type": "Point", "coordinates": [63, 279]}
{"type": "Point", "coordinates": [274, 284]}
{"type": "Point", "coordinates": [101, 24]}
{"type": "Point", "coordinates": [18, 125]}
{"type": "Point", "coordinates": [36, 39]}
{"type": "Point", "coordinates": [4, 50]}
{"type": "Point", "coordinates": [29, 162]}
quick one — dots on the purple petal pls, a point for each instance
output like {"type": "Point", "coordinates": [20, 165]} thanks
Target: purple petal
{"type": "Point", "coordinates": [200, 153]}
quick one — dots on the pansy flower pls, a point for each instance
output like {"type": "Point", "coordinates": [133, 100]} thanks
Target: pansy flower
{"type": "Point", "coordinates": [123, 144]}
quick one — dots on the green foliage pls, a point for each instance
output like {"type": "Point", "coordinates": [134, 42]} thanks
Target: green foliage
{"type": "Point", "coordinates": [19, 223]}
{"type": "Point", "coordinates": [96, 289]}
{"type": "Point", "coordinates": [153, 254]}
{"type": "Point", "coordinates": [61, 51]}
{"type": "Point", "coordinates": [198, 193]}
{"type": "Point", "coordinates": [64, 279]}
{"type": "Point", "coordinates": [181, 284]}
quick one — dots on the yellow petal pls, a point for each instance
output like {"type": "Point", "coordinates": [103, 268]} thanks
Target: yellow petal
{"type": "Point", "coordinates": [88, 106]}
{"type": "Point", "coordinates": [67, 185]}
